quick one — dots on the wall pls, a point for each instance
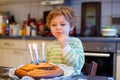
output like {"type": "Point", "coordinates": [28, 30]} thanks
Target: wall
{"type": "Point", "coordinates": [109, 8]}
{"type": "Point", "coordinates": [20, 11]}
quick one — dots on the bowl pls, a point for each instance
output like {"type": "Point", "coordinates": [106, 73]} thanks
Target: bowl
{"type": "Point", "coordinates": [109, 31]}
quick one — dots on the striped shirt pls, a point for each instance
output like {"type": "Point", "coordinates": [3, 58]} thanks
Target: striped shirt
{"type": "Point", "coordinates": [72, 55]}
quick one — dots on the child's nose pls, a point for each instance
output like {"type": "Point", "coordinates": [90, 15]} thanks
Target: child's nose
{"type": "Point", "coordinates": [58, 27]}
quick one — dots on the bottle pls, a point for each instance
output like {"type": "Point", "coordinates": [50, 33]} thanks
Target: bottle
{"type": "Point", "coordinates": [7, 28]}
{"type": "Point", "coordinates": [3, 26]}
{"type": "Point", "coordinates": [1, 18]}
{"type": "Point", "coordinates": [3, 29]}
{"type": "Point", "coordinates": [23, 31]}
{"type": "Point", "coordinates": [33, 30]}
{"type": "Point", "coordinates": [0, 29]}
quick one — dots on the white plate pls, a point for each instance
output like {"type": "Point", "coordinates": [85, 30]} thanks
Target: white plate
{"type": "Point", "coordinates": [67, 72]}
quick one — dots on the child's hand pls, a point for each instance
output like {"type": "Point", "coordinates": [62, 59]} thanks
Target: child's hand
{"type": "Point", "coordinates": [63, 40]}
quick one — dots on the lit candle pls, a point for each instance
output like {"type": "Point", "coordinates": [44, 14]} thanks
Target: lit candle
{"type": "Point", "coordinates": [36, 53]}
{"type": "Point", "coordinates": [43, 52]}
{"type": "Point", "coordinates": [32, 61]}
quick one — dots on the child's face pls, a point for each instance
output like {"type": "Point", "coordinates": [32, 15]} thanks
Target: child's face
{"type": "Point", "coordinates": [59, 25]}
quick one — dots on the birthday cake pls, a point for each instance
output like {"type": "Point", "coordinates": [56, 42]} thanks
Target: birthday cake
{"type": "Point", "coordinates": [38, 71]}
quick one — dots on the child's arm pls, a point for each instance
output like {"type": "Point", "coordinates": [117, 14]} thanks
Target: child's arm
{"type": "Point", "coordinates": [74, 55]}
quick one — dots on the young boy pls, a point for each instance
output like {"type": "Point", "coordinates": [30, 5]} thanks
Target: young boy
{"type": "Point", "coordinates": [65, 49]}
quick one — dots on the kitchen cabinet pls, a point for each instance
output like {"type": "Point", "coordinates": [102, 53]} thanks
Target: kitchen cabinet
{"type": "Point", "coordinates": [13, 52]}
{"type": "Point", "coordinates": [12, 58]}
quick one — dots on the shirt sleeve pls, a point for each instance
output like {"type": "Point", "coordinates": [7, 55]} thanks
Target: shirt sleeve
{"type": "Point", "coordinates": [74, 55]}
{"type": "Point", "coordinates": [66, 50]}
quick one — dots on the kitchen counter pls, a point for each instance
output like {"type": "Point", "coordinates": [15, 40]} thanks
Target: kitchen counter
{"type": "Point", "coordinates": [95, 39]}
{"type": "Point", "coordinates": [27, 37]}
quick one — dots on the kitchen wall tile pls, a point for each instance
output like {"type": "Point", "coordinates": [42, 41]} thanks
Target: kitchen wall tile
{"type": "Point", "coordinates": [106, 9]}
{"type": "Point", "coordinates": [78, 13]}
{"type": "Point", "coordinates": [91, 0]}
{"type": "Point", "coordinates": [117, 1]}
{"type": "Point", "coordinates": [106, 1]}
{"type": "Point", "coordinates": [78, 28]}
{"type": "Point", "coordinates": [106, 21]}
{"type": "Point", "coordinates": [115, 9]}
{"type": "Point", "coordinates": [77, 9]}
{"type": "Point", "coordinates": [75, 1]}
{"type": "Point", "coordinates": [86, 0]}
{"type": "Point", "coordinates": [96, 0]}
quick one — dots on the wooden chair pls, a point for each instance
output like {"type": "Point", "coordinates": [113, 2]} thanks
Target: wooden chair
{"type": "Point", "coordinates": [90, 68]}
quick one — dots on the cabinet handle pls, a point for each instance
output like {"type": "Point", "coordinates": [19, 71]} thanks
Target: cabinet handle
{"type": "Point", "coordinates": [97, 54]}
{"type": "Point", "coordinates": [17, 52]}
{"type": "Point", "coordinates": [8, 44]}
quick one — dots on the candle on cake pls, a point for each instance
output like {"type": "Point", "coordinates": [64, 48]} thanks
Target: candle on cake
{"type": "Point", "coordinates": [36, 53]}
{"type": "Point", "coordinates": [31, 55]}
{"type": "Point", "coordinates": [43, 52]}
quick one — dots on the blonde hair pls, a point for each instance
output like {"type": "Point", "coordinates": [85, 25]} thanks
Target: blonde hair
{"type": "Point", "coordinates": [67, 12]}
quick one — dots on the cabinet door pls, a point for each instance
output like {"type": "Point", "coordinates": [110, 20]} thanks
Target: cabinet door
{"type": "Point", "coordinates": [12, 52]}
{"type": "Point", "coordinates": [13, 58]}
{"type": "Point", "coordinates": [90, 19]}
{"type": "Point", "coordinates": [3, 58]}
{"type": "Point", "coordinates": [18, 57]}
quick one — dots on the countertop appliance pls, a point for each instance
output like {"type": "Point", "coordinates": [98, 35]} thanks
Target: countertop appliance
{"type": "Point", "coordinates": [104, 53]}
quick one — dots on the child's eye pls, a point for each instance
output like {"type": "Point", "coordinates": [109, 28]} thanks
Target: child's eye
{"type": "Point", "coordinates": [53, 25]}
{"type": "Point", "coordinates": [63, 24]}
